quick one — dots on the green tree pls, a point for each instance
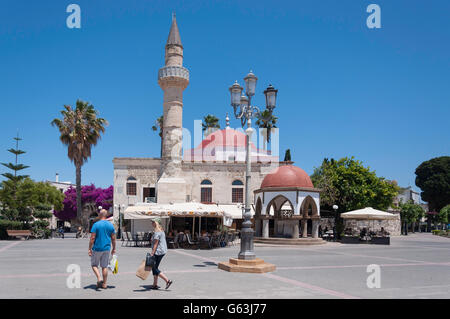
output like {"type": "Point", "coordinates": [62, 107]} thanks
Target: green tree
{"type": "Point", "coordinates": [433, 178]}
{"type": "Point", "coordinates": [12, 180]}
{"type": "Point", "coordinates": [410, 213]}
{"type": "Point", "coordinates": [30, 197]}
{"type": "Point", "coordinates": [266, 121]}
{"type": "Point", "coordinates": [42, 214]}
{"type": "Point", "coordinates": [15, 167]}
{"type": "Point", "coordinates": [287, 156]}
{"type": "Point", "coordinates": [159, 126]}
{"type": "Point", "coordinates": [350, 185]}
{"type": "Point", "coordinates": [210, 124]}
{"type": "Point", "coordinates": [80, 129]}
{"type": "Point", "coordinates": [444, 214]}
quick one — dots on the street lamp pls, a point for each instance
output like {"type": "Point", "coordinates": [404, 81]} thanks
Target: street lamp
{"type": "Point", "coordinates": [245, 111]}
{"type": "Point", "coordinates": [335, 207]}
{"type": "Point", "coordinates": [119, 207]}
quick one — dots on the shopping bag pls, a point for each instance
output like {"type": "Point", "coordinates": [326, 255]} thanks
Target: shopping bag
{"type": "Point", "coordinates": [150, 260]}
{"type": "Point", "coordinates": [143, 271]}
{"type": "Point", "coordinates": [114, 264]}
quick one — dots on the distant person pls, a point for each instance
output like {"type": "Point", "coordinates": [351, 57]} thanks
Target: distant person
{"type": "Point", "coordinates": [61, 231]}
{"type": "Point", "coordinates": [102, 235]}
{"type": "Point", "coordinates": [159, 249]}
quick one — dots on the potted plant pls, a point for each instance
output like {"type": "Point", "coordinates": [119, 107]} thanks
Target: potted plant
{"type": "Point", "coordinates": [350, 236]}
{"type": "Point", "coordinates": [381, 238]}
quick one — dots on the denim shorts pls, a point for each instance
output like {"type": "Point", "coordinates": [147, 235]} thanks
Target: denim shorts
{"type": "Point", "coordinates": [155, 269]}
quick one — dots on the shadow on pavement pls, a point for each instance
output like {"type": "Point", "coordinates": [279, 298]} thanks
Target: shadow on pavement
{"type": "Point", "coordinates": [206, 263]}
{"type": "Point", "coordinates": [148, 288]}
{"type": "Point", "coordinates": [94, 287]}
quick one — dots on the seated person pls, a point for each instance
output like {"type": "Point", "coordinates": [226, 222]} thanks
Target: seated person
{"type": "Point", "coordinates": [204, 236]}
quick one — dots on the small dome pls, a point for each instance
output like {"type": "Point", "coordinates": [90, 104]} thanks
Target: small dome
{"type": "Point", "coordinates": [287, 176]}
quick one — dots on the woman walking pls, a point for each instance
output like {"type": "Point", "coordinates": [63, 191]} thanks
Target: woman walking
{"type": "Point", "coordinates": [159, 249]}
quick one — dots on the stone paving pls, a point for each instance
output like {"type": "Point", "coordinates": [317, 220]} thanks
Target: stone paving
{"type": "Point", "coordinates": [416, 266]}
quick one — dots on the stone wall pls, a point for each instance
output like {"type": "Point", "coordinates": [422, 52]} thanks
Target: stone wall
{"type": "Point", "coordinates": [392, 226]}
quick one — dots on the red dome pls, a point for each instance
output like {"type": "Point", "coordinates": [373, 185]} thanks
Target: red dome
{"type": "Point", "coordinates": [226, 137]}
{"type": "Point", "coordinates": [287, 176]}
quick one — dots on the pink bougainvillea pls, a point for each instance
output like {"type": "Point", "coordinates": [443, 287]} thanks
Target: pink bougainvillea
{"type": "Point", "coordinates": [89, 194]}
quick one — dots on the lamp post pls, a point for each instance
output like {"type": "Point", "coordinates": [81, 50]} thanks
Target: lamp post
{"type": "Point", "coordinates": [245, 111]}
{"type": "Point", "coordinates": [335, 207]}
{"type": "Point", "coordinates": [119, 207]}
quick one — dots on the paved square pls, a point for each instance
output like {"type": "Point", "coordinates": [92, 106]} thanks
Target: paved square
{"type": "Point", "coordinates": [416, 266]}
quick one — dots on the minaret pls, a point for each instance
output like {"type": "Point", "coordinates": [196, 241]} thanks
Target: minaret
{"type": "Point", "coordinates": [173, 78]}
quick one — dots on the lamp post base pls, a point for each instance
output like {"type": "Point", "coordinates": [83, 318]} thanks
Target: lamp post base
{"type": "Point", "coordinates": [256, 266]}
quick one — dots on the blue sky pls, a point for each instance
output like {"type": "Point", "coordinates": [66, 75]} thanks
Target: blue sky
{"type": "Point", "coordinates": [381, 95]}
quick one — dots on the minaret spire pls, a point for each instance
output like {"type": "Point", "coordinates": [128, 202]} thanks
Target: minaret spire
{"type": "Point", "coordinates": [174, 34]}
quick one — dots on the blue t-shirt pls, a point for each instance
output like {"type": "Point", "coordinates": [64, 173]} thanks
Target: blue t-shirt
{"type": "Point", "coordinates": [103, 230]}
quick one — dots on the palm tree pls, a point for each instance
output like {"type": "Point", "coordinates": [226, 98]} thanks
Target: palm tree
{"type": "Point", "coordinates": [80, 129]}
{"type": "Point", "coordinates": [267, 121]}
{"type": "Point", "coordinates": [210, 123]}
{"type": "Point", "coordinates": [159, 125]}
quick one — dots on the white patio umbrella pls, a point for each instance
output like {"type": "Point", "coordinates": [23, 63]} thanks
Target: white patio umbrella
{"type": "Point", "coordinates": [368, 213]}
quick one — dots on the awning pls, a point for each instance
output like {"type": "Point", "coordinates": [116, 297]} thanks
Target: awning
{"type": "Point", "coordinates": [190, 209]}
{"type": "Point", "coordinates": [235, 211]}
{"type": "Point", "coordinates": [151, 210]}
{"type": "Point", "coordinates": [368, 213]}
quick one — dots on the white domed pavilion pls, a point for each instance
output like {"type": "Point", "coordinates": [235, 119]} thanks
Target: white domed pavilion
{"type": "Point", "coordinates": [287, 202]}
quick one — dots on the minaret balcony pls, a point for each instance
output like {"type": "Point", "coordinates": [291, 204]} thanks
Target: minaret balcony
{"type": "Point", "coordinates": [173, 71]}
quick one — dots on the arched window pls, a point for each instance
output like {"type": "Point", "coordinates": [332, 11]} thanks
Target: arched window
{"type": "Point", "coordinates": [131, 186]}
{"type": "Point", "coordinates": [237, 192]}
{"type": "Point", "coordinates": [206, 191]}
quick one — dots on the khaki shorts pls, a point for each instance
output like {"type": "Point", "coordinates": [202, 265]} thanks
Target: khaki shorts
{"type": "Point", "coordinates": [100, 257]}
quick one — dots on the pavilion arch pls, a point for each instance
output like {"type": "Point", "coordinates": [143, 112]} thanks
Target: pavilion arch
{"type": "Point", "coordinates": [309, 208]}
{"type": "Point", "coordinates": [278, 202]}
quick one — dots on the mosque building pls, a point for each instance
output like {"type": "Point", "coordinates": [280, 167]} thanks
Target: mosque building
{"type": "Point", "coordinates": [211, 173]}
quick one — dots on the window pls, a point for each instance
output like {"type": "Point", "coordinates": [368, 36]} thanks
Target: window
{"type": "Point", "coordinates": [237, 195]}
{"type": "Point", "coordinates": [131, 186]}
{"type": "Point", "coordinates": [149, 194]}
{"type": "Point", "coordinates": [131, 189]}
{"type": "Point", "coordinates": [206, 192]}
{"type": "Point", "coordinates": [206, 195]}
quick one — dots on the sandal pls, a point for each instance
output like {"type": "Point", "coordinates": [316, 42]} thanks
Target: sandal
{"type": "Point", "coordinates": [168, 284]}
{"type": "Point", "coordinates": [154, 287]}
{"type": "Point", "coordinates": [99, 284]}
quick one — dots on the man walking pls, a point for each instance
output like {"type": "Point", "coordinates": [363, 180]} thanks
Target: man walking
{"type": "Point", "coordinates": [102, 235]}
